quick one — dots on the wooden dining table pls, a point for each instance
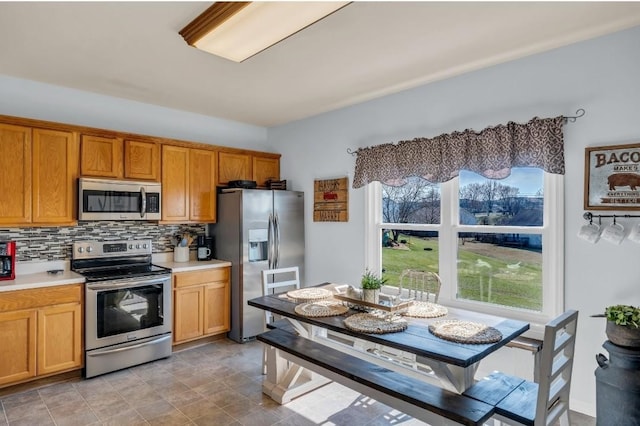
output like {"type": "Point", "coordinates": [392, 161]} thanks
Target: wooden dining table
{"type": "Point", "coordinates": [415, 351]}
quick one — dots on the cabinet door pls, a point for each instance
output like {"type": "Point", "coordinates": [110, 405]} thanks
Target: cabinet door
{"type": "Point", "coordinates": [141, 160]}
{"type": "Point", "coordinates": [233, 166]}
{"type": "Point", "coordinates": [59, 338]}
{"type": "Point", "coordinates": [15, 164]}
{"type": "Point", "coordinates": [18, 348]}
{"type": "Point", "coordinates": [55, 169]}
{"type": "Point", "coordinates": [101, 156]}
{"type": "Point", "coordinates": [188, 308]}
{"type": "Point", "coordinates": [202, 186]}
{"type": "Point", "coordinates": [265, 169]}
{"type": "Point", "coordinates": [216, 308]}
{"type": "Point", "coordinates": [175, 183]}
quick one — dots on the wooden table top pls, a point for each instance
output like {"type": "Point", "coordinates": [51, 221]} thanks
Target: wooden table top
{"type": "Point", "coordinates": [416, 338]}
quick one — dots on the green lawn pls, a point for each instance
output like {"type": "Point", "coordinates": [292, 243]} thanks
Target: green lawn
{"type": "Point", "coordinates": [483, 277]}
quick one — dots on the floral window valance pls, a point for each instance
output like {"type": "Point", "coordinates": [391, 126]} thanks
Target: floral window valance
{"type": "Point", "coordinates": [491, 153]}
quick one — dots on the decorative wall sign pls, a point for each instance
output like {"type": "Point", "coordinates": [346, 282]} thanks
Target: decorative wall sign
{"type": "Point", "coordinates": [331, 200]}
{"type": "Point", "coordinates": [612, 177]}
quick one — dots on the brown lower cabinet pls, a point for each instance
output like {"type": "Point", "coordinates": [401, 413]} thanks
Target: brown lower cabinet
{"type": "Point", "coordinates": [40, 331]}
{"type": "Point", "coordinates": [201, 304]}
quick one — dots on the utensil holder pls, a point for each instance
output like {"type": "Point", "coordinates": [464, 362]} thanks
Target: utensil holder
{"type": "Point", "coordinates": [181, 254]}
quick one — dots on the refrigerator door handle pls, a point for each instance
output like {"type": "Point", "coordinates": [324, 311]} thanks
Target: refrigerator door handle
{"type": "Point", "coordinates": [276, 226]}
{"type": "Point", "coordinates": [270, 242]}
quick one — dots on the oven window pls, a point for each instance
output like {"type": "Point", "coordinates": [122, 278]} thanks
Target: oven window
{"type": "Point", "coordinates": [129, 309]}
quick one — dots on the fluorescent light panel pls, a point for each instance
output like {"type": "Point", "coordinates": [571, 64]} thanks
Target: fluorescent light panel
{"type": "Point", "coordinates": [237, 31]}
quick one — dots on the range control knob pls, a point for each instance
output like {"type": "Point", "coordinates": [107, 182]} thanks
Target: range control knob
{"type": "Point", "coordinates": [138, 246]}
{"type": "Point", "coordinates": [130, 246]}
{"type": "Point", "coordinates": [89, 249]}
{"type": "Point", "coordinates": [144, 246]}
{"type": "Point", "coordinates": [80, 250]}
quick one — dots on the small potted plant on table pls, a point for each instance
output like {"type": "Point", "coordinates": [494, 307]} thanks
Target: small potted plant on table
{"type": "Point", "coordinates": [371, 284]}
{"type": "Point", "coordinates": [623, 325]}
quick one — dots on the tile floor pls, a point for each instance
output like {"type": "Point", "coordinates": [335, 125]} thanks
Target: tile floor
{"type": "Point", "coordinates": [215, 384]}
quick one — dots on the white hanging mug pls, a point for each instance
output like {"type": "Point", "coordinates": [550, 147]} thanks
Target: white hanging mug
{"type": "Point", "coordinates": [590, 232]}
{"type": "Point", "coordinates": [634, 235]}
{"type": "Point", "coordinates": [614, 233]}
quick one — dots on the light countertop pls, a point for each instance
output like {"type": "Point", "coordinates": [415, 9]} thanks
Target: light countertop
{"type": "Point", "coordinates": [193, 265]}
{"type": "Point", "coordinates": [41, 279]}
{"type": "Point", "coordinates": [34, 274]}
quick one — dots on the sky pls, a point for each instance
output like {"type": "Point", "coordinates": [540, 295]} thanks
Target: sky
{"type": "Point", "coordinates": [528, 179]}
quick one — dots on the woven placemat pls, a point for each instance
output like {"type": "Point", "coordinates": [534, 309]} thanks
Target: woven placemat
{"type": "Point", "coordinates": [321, 308]}
{"type": "Point", "coordinates": [464, 331]}
{"type": "Point", "coordinates": [309, 294]}
{"type": "Point", "coordinates": [371, 323]}
{"type": "Point", "coordinates": [425, 310]}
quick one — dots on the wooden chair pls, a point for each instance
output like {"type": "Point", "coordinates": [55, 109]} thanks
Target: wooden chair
{"type": "Point", "coordinates": [276, 279]}
{"type": "Point", "coordinates": [424, 285]}
{"type": "Point", "coordinates": [273, 280]}
{"type": "Point", "coordinates": [522, 402]}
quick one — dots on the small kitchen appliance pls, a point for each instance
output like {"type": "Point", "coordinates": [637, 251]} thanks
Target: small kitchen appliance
{"type": "Point", "coordinates": [106, 199]}
{"type": "Point", "coordinates": [206, 247]}
{"type": "Point", "coordinates": [127, 304]}
{"type": "Point", "coordinates": [7, 260]}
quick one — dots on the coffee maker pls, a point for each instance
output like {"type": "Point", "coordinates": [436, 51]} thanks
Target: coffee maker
{"type": "Point", "coordinates": [7, 260]}
{"type": "Point", "coordinates": [205, 247]}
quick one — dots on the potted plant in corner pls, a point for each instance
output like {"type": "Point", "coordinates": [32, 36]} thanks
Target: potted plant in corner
{"type": "Point", "coordinates": [623, 325]}
{"type": "Point", "coordinates": [371, 284]}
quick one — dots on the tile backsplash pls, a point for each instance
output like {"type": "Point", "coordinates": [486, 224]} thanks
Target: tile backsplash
{"type": "Point", "coordinates": [54, 243]}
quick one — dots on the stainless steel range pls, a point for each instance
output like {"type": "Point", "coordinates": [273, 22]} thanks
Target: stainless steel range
{"type": "Point", "coordinates": [127, 304]}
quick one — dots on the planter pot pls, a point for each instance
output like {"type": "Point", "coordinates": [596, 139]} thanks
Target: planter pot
{"type": "Point", "coordinates": [623, 335]}
{"type": "Point", "coordinates": [370, 295]}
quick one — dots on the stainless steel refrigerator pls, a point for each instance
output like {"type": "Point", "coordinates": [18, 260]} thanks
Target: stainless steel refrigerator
{"type": "Point", "coordinates": [256, 230]}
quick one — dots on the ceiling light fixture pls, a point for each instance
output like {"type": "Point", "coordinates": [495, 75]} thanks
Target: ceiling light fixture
{"type": "Point", "coordinates": [239, 30]}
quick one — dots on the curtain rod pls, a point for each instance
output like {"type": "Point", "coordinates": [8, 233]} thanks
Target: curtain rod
{"type": "Point", "coordinates": [570, 119]}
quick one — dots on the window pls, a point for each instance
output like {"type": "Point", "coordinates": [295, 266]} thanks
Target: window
{"type": "Point", "coordinates": [496, 244]}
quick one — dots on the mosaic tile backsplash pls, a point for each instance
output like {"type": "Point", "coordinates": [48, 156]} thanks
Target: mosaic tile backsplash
{"type": "Point", "coordinates": [54, 243]}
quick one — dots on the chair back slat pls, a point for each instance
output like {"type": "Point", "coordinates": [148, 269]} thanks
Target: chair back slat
{"type": "Point", "coordinates": [556, 368]}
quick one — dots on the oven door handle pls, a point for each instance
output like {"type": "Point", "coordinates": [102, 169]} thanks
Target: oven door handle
{"type": "Point", "coordinates": [126, 348]}
{"type": "Point", "coordinates": [123, 284]}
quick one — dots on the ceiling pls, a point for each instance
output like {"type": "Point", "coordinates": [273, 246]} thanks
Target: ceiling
{"type": "Point", "coordinates": [132, 50]}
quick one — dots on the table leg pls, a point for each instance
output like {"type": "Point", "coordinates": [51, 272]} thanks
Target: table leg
{"type": "Point", "coordinates": [452, 377]}
{"type": "Point", "coordinates": [286, 380]}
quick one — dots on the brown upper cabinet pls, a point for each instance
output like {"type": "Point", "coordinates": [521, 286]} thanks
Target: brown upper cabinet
{"type": "Point", "coordinates": [188, 184]}
{"type": "Point", "coordinates": [233, 166]}
{"type": "Point", "coordinates": [42, 167]}
{"type": "Point", "coordinates": [240, 166]}
{"type": "Point", "coordinates": [265, 169]}
{"type": "Point", "coordinates": [113, 157]}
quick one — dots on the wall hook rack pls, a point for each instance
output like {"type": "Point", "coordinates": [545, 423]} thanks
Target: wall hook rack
{"type": "Point", "coordinates": [590, 216]}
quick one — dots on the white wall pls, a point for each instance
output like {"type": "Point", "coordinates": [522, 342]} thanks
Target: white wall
{"type": "Point", "coordinates": [30, 99]}
{"type": "Point", "coordinates": [599, 75]}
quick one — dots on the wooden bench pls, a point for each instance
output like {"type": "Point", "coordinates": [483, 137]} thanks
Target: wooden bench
{"type": "Point", "coordinates": [412, 396]}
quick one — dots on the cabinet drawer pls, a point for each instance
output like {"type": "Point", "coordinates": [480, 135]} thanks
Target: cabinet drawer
{"type": "Point", "coordinates": [185, 279]}
{"type": "Point", "coordinates": [37, 297]}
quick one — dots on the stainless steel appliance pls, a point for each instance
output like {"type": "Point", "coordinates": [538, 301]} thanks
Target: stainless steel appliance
{"type": "Point", "coordinates": [127, 304]}
{"type": "Point", "coordinates": [106, 199]}
{"type": "Point", "coordinates": [256, 230]}
{"type": "Point", "coordinates": [7, 260]}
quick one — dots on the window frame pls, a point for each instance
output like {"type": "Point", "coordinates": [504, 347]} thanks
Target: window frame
{"type": "Point", "coordinates": [552, 232]}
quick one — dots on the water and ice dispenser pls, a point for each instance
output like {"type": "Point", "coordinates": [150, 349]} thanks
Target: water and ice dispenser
{"type": "Point", "coordinates": [258, 245]}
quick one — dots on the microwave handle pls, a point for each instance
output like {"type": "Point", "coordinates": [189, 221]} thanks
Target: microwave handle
{"type": "Point", "coordinates": [143, 205]}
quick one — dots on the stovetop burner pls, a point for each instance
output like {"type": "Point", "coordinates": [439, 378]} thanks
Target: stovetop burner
{"type": "Point", "coordinates": [128, 272]}
{"type": "Point", "coordinates": [110, 260]}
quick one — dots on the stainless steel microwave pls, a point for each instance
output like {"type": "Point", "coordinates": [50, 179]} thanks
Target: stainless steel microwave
{"type": "Point", "coordinates": [106, 199]}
